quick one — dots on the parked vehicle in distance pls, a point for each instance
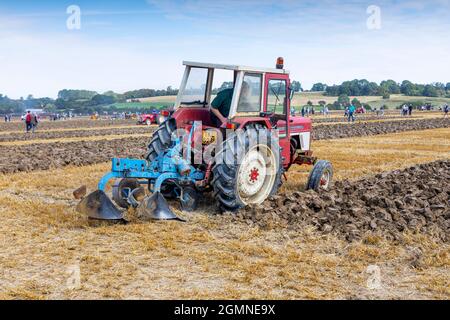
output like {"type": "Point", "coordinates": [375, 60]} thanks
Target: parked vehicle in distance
{"type": "Point", "coordinates": [148, 118]}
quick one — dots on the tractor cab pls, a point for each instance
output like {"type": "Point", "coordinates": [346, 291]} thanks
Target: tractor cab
{"type": "Point", "coordinates": [257, 92]}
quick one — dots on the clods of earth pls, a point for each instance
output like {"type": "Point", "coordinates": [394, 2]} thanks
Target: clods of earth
{"type": "Point", "coordinates": [416, 199]}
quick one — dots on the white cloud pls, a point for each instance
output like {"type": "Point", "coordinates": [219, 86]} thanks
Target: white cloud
{"type": "Point", "coordinates": [318, 43]}
{"type": "Point", "coordinates": [43, 64]}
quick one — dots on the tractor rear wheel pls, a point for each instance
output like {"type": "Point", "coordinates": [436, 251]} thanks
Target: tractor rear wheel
{"type": "Point", "coordinates": [161, 139]}
{"type": "Point", "coordinates": [248, 169]}
{"type": "Point", "coordinates": [320, 176]}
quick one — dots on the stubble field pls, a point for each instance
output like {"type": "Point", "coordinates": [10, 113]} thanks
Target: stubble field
{"type": "Point", "coordinates": [387, 212]}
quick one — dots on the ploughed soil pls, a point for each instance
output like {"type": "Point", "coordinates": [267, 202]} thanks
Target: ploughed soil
{"type": "Point", "coordinates": [337, 131]}
{"type": "Point", "coordinates": [10, 137]}
{"type": "Point", "coordinates": [43, 156]}
{"type": "Point", "coordinates": [416, 199]}
{"type": "Point", "coordinates": [46, 156]}
{"type": "Point", "coordinates": [363, 117]}
{"type": "Point", "coordinates": [66, 124]}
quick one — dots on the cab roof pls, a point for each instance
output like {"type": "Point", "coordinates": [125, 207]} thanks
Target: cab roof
{"type": "Point", "coordinates": [234, 67]}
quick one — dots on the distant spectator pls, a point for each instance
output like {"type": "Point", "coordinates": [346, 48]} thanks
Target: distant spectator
{"type": "Point", "coordinates": [9, 118]}
{"type": "Point", "coordinates": [382, 111]}
{"type": "Point", "coordinates": [351, 113]}
{"type": "Point", "coordinates": [410, 109]}
{"type": "Point", "coordinates": [346, 112]}
{"type": "Point", "coordinates": [6, 118]}
{"type": "Point", "coordinates": [28, 118]}
{"type": "Point", "coordinates": [326, 111]}
{"type": "Point", "coordinates": [446, 109]}
{"type": "Point", "coordinates": [34, 122]}
{"type": "Point", "coordinates": [303, 111]}
{"type": "Point", "coordinates": [404, 110]}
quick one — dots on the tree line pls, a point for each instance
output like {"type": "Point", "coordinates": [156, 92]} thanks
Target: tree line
{"type": "Point", "coordinates": [85, 101]}
{"type": "Point", "coordinates": [78, 101]}
{"type": "Point", "coordinates": [385, 89]}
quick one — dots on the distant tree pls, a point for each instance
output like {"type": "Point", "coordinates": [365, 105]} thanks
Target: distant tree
{"type": "Point", "coordinates": [171, 92]}
{"type": "Point", "coordinates": [61, 104]}
{"type": "Point", "coordinates": [384, 92]}
{"type": "Point", "coordinates": [318, 87]}
{"type": "Point", "coordinates": [354, 88]}
{"type": "Point", "coordinates": [407, 88]}
{"type": "Point", "coordinates": [322, 103]}
{"type": "Point", "coordinates": [49, 107]}
{"type": "Point", "coordinates": [430, 91]}
{"type": "Point", "coordinates": [367, 106]}
{"type": "Point", "coordinates": [439, 86]}
{"type": "Point", "coordinates": [145, 93]}
{"type": "Point", "coordinates": [447, 87]}
{"type": "Point", "coordinates": [332, 91]}
{"type": "Point", "coordinates": [309, 103]}
{"type": "Point", "coordinates": [296, 86]}
{"type": "Point", "coordinates": [342, 102]}
{"type": "Point", "coordinates": [8, 105]}
{"type": "Point", "coordinates": [372, 89]}
{"type": "Point", "coordinates": [390, 86]}
{"type": "Point", "coordinates": [70, 95]}
{"type": "Point", "coordinates": [101, 99]}
{"type": "Point", "coordinates": [356, 103]}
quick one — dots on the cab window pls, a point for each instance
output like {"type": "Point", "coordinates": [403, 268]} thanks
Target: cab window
{"type": "Point", "coordinates": [195, 91]}
{"type": "Point", "coordinates": [250, 97]}
{"type": "Point", "coordinates": [276, 96]}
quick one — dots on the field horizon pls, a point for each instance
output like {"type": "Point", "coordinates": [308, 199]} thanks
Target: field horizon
{"type": "Point", "coordinates": [302, 98]}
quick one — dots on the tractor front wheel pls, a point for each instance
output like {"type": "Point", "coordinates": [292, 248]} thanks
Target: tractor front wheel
{"type": "Point", "coordinates": [161, 139]}
{"type": "Point", "coordinates": [248, 169]}
{"type": "Point", "coordinates": [320, 176]}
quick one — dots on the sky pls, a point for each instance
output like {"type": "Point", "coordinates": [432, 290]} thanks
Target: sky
{"type": "Point", "coordinates": [127, 45]}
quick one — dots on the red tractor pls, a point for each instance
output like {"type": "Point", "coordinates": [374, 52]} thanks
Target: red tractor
{"type": "Point", "coordinates": [148, 118]}
{"type": "Point", "coordinates": [154, 118]}
{"type": "Point", "coordinates": [242, 160]}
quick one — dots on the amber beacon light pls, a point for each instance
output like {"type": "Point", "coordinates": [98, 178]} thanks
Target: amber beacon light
{"type": "Point", "coordinates": [280, 63]}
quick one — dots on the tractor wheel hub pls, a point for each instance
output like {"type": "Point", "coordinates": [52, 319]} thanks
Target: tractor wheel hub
{"type": "Point", "coordinates": [255, 176]}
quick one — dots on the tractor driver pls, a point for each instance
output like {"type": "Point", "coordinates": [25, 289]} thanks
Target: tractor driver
{"type": "Point", "coordinates": [220, 107]}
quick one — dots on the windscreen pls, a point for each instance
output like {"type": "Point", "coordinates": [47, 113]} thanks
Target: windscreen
{"type": "Point", "coordinates": [195, 91]}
